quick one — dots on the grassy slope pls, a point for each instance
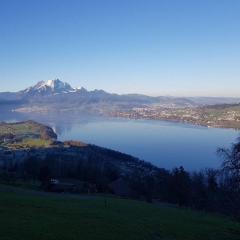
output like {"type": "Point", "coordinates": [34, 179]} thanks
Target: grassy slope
{"type": "Point", "coordinates": [30, 133]}
{"type": "Point", "coordinates": [29, 142]}
{"type": "Point", "coordinates": [20, 128]}
{"type": "Point", "coordinates": [27, 216]}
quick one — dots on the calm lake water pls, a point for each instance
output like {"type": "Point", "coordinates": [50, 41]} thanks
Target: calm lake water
{"type": "Point", "coordinates": [164, 144]}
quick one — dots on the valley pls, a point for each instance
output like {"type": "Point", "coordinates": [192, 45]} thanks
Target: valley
{"type": "Point", "coordinates": [55, 96]}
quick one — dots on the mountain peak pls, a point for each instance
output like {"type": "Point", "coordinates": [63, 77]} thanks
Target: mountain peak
{"type": "Point", "coordinates": [54, 86]}
{"type": "Point", "coordinates": [56, 83]}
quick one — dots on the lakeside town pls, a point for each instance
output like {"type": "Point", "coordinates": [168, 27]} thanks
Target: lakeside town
{"type": "Point", "coordinates": [221, 116]}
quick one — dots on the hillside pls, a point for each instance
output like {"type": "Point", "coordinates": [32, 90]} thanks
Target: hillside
{"type": "Point", "coordinates": [29, 157]}
{"type": "Point", "coordinates": [25, 133]}
{"type": "Point", "coordinates": [31, 215]}
{"type": "Point", "coordinates": [28, 148]}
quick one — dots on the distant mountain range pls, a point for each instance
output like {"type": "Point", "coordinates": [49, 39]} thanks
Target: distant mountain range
{"type": "Point", "coordinates": [55, 95]}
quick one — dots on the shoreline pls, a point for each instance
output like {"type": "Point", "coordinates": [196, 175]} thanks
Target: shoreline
{"type": "Point", "coordinates": [179, 121]}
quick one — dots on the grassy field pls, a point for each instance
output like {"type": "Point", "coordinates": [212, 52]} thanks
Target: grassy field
{"type": "Point", "coordinates": [27, 128]}
{"type": "Point", "coordinates": [36, 143]}
{"type": "Point", "coordinates": [25, 135]}
{"type": "Point", "coordinates": [30, 216]}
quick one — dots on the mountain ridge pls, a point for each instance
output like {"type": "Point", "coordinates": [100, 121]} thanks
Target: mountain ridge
{"type": "Point", "coordinates": [55, 94]}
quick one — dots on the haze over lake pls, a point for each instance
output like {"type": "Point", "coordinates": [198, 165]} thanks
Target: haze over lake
{"type": "Point", "coordinates": [165, 144]}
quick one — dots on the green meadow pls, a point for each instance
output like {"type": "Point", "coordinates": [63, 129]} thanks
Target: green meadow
{"type": "Point", "coordinates": [30, 215]}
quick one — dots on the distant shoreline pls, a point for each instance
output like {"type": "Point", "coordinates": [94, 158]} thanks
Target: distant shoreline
{"type": "Point", "coordinates": [131, 115]}
{"type": "Point", "coordinates": [180, 121]}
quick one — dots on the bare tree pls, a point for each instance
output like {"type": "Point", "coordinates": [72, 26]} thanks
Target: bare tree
{"type": "Point", "coordinates": [231, 161]}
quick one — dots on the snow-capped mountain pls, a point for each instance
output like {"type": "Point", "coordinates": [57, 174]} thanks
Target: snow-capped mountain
{"type": "Point", "coordinates": [49, 87]}
{"type": "Point", "coordinates": [57, 95]}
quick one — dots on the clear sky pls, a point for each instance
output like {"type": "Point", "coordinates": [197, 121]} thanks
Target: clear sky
{"type": "Point", "coordinates": [156, 47]}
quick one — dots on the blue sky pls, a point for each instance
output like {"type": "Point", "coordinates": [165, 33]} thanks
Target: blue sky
{"type": "Point", "coordinates": [156, 47]}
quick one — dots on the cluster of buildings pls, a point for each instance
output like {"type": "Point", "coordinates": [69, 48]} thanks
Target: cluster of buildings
{"type": "Point", "coordinates": [199, 116]}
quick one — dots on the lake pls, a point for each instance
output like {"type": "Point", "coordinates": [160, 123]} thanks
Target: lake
{"type": "Point", "coordinates": [165, 144]}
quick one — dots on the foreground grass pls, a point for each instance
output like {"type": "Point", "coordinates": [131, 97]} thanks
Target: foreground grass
{"type": "Point", "coordinates": [29, 216]}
